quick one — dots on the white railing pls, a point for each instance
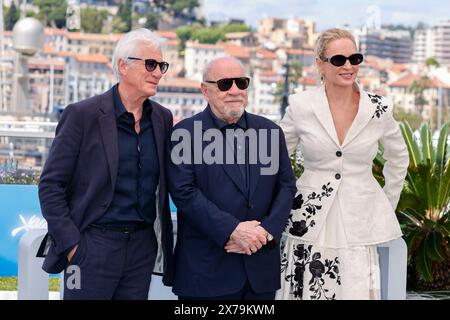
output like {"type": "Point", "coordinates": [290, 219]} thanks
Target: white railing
{"type": "Point", "coordinates": [25, 129]}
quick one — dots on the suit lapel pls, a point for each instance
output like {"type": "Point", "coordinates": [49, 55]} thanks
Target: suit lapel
{"type": "Point", "coordinates": [366, 110]}
{"type": "Point", "coordinates": [108, 129]}
{"type": "Point", "coordinates": [159, 134]}
{"type": "Point", "coordinates": [255, 169]}
{"type": "Point", "coordinates": [322, 112]}
{"type": "Point", "coordinates": [231, 170]}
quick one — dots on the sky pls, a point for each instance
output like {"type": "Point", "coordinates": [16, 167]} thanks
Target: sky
{"type": "Point", "coordinates": [332, 13]}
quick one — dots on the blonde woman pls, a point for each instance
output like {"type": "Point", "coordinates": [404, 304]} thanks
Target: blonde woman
{"type": "Point", "coordinates": [340, 212]}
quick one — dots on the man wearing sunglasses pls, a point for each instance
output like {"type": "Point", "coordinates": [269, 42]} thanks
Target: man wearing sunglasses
{"type": "Point", "coordinates": [230, 215]}
{"type": "Point", "coordinates": [103, 188]}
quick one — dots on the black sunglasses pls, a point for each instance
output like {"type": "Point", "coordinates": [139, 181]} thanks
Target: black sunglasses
{"type": "Point", "coordinates": [150, 64]}
{"type": "Point", "coordinates": [225, 84]}
{"type": "Point", "coordinates": [339, 60]}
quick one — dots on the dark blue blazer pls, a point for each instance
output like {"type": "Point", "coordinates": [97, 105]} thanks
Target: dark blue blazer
{"type": "Point", "coordinates": [211, 201]}
{"type": "Point", "coordinates": [78, 180]}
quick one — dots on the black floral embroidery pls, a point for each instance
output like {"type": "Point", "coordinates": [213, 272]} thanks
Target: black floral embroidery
{"type": "Point", "coordinates": [320, 271]}
{"type": "Point", "coordinates": [376, 99]}
{"type": "Point", "coordinates": [310, 206]}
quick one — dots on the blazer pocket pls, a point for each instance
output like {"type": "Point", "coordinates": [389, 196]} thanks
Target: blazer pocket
{"type": "Point", "coordinates": [80, 254]}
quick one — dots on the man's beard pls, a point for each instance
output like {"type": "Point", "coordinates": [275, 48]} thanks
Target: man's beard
{"type": "Point", "coordinates": [234, 114]}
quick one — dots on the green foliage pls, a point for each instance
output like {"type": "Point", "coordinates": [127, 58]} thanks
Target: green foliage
{"type": "Point", "coordinates": [92, 19]}
{"type": "Point", "coordinates": [424, 206]}
{"type": "Point", "coordinates": [124, 13]}
{"type": "Point", "coordinates": [152, 21]}
{"type": "Point", "coordinates": [431, 61]}
{"type": "Point", "coordinates": [179, 7]}
{"type": "Point", "coordinates": [295, 73]}
{"type": "Point", "coordinates": [297, 163]}
{"type": "Point", "coordinates": [209, 35]}
{"type": "Point", "coordinates": [176, 8]}
{"type": "Point", "coordinates": [52, 12]}
{"type": "Point", "coordinates": [236, 27]}
{"type": "Point", "coordinates": [185, 33]}
{"type": "Point", "coordinates": [413, 118]}
{"type": "Point", "coordinates": [11, 283]}
{"type": "Point", "coordinates": [19, 176]}
{"type": "Point", "coordinates": [11, 16]}
{"type": "Point", "coordinates": [417, 88]}
{"type": "Point", "coordinates": [118, 25]}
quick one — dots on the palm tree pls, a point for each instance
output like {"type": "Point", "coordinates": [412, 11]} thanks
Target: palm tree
{"type": "Point", "coordinates": [424, 207]}
{"type": "Point", "coordinates": [417, 88]}
{"type": "Point", "coordinates": [432, 62]}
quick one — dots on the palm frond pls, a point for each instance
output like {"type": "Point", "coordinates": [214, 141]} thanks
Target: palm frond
{"type": "Point", "coordinates": [413, 148]}
{"type": "Point", "coordinates": [427, 143]}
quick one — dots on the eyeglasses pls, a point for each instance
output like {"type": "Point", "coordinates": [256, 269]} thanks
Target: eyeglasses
{"type": "Point", "coordinates": [339, 60]}
{"type": "Point", "coordinates": [226, 84]}
{"type": "Point", "coordinates": [150, 64]}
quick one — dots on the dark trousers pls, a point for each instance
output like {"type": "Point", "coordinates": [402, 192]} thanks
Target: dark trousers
{"type": "Point", "coordinates": [246, 293]}
{"type": "Point", "coordinates": [111, 265]}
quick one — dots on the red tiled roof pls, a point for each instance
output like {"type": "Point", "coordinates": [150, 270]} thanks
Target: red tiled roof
{"type": "Point", "coordinates": [299, 52]}
{"type": "Point", "coordinates": [171, 35]}
{"type": "Point", "coordinates": [236, 51]}
{"type": "Point", "coordinates": [179, 82]}
{"type": "Point", "coordinates": [95, 58]}
{"type": "Point", "coordinates": [231, 35]}
{"type": "Point", "coordinates": [266, 54]}
{"type": "Point", "coordinates": [46, 63]}
{"type": "Point", "coordinates": [308, 81]}
{"type": "Point", "coordinates": [192, 44]}
{"type": "Point", "coordinates": [113, 37]}
{"type": "Point", "coordinates": [399, 67]}
{"type": "Point", "coordinates": [408, 79]}
{"type": "Point", "coordinates": [270, 73]}
{"type": "Point", "coordinates": [50, 50]}
{"type": "Point", "coordinates": [54, 31]}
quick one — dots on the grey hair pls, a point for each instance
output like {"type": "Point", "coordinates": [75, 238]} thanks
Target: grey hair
{"type": "Point", "coordinates": [128, 44]}
{"type": "Point", "coordinates": [208, 67]}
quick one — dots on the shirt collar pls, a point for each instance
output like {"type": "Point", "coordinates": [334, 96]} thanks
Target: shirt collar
{"type": "Point", "coordinates": [220, 124]}
{"type": "Point", "coordinates": [120, 108]}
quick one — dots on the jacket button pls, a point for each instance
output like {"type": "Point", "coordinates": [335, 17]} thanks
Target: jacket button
{"type": "Point", "coordinates": [337, 176]}
{"type": "Point", "coordinates": [250, 206]}
{"type": "Point", "coordinates": [338, 153]}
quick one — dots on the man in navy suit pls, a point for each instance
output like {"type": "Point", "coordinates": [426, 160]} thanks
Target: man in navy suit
{"type": "Point", "coordinates": [103, 188]}
{"type": "Point", "coordinates": [233, 203]}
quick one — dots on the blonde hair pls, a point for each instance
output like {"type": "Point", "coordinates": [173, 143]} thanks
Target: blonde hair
{"type": "Point", "coordinates": [330, 35]}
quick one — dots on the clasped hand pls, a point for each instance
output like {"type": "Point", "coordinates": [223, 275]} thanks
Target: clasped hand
{"type": "Point", "coordinates": [247, 238]}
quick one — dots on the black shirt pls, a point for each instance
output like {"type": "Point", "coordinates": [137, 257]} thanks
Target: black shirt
{"type": "Point", "coordinates": [138, 171]}
{"type": "Point", "coordinates": [238, 145]}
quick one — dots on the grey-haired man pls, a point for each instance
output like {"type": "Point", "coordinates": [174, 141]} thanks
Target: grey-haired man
{"type": "Point", "coordinates": [103, 188]}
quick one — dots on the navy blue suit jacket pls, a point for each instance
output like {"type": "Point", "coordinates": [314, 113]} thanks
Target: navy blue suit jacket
{"type": "Point", "coordinates": [78, 180]}
{"type": "Point", "coordinates": [211, 201]}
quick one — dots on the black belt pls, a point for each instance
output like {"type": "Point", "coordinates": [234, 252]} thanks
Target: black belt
{"type": "Point", "coordinates": [127, 229]}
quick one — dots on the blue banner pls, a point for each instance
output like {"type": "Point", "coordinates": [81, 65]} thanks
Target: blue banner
{"type": "Point", "coordinates": [19, 212]}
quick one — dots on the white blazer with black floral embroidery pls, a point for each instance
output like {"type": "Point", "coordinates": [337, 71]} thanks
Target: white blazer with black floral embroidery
{"type": "Point", "coordinates": [343, 173]}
